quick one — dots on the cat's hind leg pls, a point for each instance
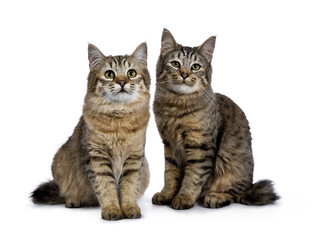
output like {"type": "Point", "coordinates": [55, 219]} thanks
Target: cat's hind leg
{"type": "Point", "coordinates": [217, 200]}
{"type": "Point", "coordinates": [72, 203]}
{"type": "Point", "coordinates": [74, 184]}
{"type": "Point", "coordinates": [230, 181]}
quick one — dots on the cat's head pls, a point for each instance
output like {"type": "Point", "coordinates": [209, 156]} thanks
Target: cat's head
{"type": "Point", "coordinates": [184, 70]}
{"type": "Point", "coordinates": [118, 79]}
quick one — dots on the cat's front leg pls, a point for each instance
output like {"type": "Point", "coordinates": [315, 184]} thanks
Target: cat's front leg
{"type": "Point", "coordinates": [197, 168]}
{"type": "Point", "coordinates": [129, 186]}
{"type": "Point", "coordinates": [172, 178]}
{"type": "Point", "coordinates": [104, 184]}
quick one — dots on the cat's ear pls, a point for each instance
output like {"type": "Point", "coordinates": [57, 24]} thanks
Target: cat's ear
{"type": "Point", "coordinates": [167, 42]}
{"type": "Point", "coordinates": [95, 56]}
{"type": "Point", "coordinates": [141, 53]}
{"type": "Point", "coordinates": [206, 49]}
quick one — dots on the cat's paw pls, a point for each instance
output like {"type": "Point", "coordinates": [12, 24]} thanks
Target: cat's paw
{"type": "Point", "coordinates": [182, 201]}
{"type": "Point", "coordinates": [111, 213]}
{"type": "Point", "coordinates": [70, 203]}
{"type": "Point", "coordinates": [161, 199]}
{"type": "Point", "coordinates": [131, 211]}
{"type": "Point", "coordinates": [217, 200]}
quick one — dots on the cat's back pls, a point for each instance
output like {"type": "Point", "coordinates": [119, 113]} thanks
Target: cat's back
{"type": "Point", "coordinates": [235, 126]}
{"type": "Point", "coordinates": [230, 111]}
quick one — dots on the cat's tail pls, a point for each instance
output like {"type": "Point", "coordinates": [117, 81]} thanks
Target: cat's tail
{"type": "Point", "coordinates": [47, 193]}
{"type": "Point", "coordinates": [260, 193]}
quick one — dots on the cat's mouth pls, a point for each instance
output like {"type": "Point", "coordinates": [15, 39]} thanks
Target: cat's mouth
{"type": "Point", "coordinates": [187, 83]}
{"type": "Point", "coordinates": [184, 83]}
{"type": "Point", "coordinates": [183, 87]}
{"type": "Point", "coordinates": [122, 91]}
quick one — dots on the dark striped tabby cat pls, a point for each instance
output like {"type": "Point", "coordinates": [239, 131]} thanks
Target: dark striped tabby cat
{"type": "Point", "coordinates": [103, 162]}
{"type": "Point", "coordinates": [206, 136]}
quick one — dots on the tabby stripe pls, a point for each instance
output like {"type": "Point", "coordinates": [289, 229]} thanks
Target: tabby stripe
{"type": "Point", "coordinates": [129, 172]}
{"type": "Point", "coordinates": [203, 147]}
{"type": "Point", "coordinates": [94, 152]}
{"type": "Point", "coordinates": [191, 54]}
{"type": "Point", "coordinates": [205, 174]}
{"type": "Point", "coordinates": [195, 161]}
{"type": "Point", "coordinates": [104, 174]}
{"type": "Point", "coordinates": [131, 164]}
{"type": "Point", "coordinates": [182, 127]}
{"type": "Point", "coordinates": [115, 63]}
{"type": "Point", "coordinates": [198, 184]}
{"type": "Point", "coordinates": [99, 159]}
{"type": "Point", "coordinates": [108, 164]}
{"type": "Point", "coordinates": [171, 161]}
{"type": "Point", "coordinates": [166, 143]}
{"type": "Point", "coordinates": [90, 171]}
{"type": "Point", "coordinates": [170, 170]}
{"type": "Point", "coordinates": [207, 167]}
{"type": "Point", "coordinates": [211, 158]}
{"type": "Point", "coordinates": [199, 171]}
{"type": "Point", "coordinates": [188, 113]}
{"type": "Point", "coordinates": [135, 156]}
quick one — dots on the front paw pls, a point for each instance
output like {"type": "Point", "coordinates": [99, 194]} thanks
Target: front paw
{"type": "Point", "coordinates": [131, 211]}
{"type": "Point", "coordinates": [182, 201]}
{"type": "Point", "coordinates": [161, 199]}
{"type": "Point", "coordinates": [111, 213]}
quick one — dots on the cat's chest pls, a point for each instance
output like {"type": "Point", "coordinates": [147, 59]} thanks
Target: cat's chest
{"type": "Point", "coordinates": [113, 147]}
{"type": "Point", "coordinates": [179, 131]}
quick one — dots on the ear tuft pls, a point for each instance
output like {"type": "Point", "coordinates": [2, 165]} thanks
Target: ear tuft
{"type": "Point", "coordinates": [95, 56]}
{"type": "Point", "coordinates": [168, 43]}
{"type": "Point", "coordinates": [207, 48]}
{"type": "Point", "coordinates": [141, 53]}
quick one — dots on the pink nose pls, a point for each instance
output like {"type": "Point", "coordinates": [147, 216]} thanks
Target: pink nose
{"type": "Point", "coordinates": [184, 75]}
{"type": "Point", "coordinates": [122, 83]}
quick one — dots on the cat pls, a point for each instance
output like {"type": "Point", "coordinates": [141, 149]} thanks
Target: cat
{"type": "Point", "coordinates": [206, 136]}
{"type": "Point", "coordinates": [103, 162]}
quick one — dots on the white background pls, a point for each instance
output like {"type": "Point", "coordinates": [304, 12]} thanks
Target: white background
{"type": "Point", "coordinates": [266, 59]}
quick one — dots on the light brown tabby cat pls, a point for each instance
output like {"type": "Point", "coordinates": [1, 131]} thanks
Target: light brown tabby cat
{"type": "Point", "coordinates": [103, 162]}
{"type": "Point", "coordinates": [206, 136]}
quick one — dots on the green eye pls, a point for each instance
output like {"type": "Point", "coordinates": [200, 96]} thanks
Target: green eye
{"type": "Point", "coordinates": [109, 74]}
{"type": "Point", "coordinates": [195, 67]}
{"type": "Point", "coordinates": [131, 73]}
{"type": "Point", "coordinates": [175, 64]}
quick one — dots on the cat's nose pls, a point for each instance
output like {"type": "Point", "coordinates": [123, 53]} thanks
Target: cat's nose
{"type": "Point", "coordinates": [184, 75]}
{"type": "Point", "coordinates": [122, 83]}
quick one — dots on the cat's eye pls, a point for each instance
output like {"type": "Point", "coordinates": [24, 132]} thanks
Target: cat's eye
{"type": "Point", "coordinates": [109, 74]}
{"type": "Point", "coordinates": [195, 67]}
{"type": "Point", "coordinates": [131, 73]}
{"type": "Point", "coordinates": [175, 64]}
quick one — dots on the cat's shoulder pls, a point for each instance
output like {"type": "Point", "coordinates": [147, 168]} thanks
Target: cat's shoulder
{"type": "Point", "coordinates": [226, 104]}
{"type": "Point", "coordinates": [228, 108]}
{"type": "Point", "coordinates": [223, 100]}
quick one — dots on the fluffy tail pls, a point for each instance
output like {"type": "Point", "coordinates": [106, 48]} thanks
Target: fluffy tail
{"type": "Point", "coordinates": [47, 193]}
{"type": "Point", "coordinates": [260, 193]}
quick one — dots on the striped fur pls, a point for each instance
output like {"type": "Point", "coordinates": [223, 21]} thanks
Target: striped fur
{"type": "Point", "coordinates": [206, 136]}
{"type": "Point", "coordinates": [103, 162]}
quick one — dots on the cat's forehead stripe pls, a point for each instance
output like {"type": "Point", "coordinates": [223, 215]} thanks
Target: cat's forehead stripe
{"type": "Point", "coordinates": [187, 53]}
{"type": "Point", "coordinates": [119, 61]}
